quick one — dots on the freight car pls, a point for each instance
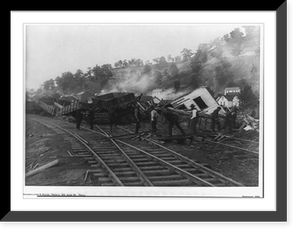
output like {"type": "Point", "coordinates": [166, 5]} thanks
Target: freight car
{"type": "Point", "coordinates": [49, 100]}
{"type": "Point", "coordinates": [113, 100]}
{"type": "Point", "coordinates": [122, 102]}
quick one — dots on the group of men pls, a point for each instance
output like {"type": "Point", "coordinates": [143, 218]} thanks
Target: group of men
{"type": "Point", "coordinates": [171, 117]}
{"type": "Point", "coordinates": [230, 119]}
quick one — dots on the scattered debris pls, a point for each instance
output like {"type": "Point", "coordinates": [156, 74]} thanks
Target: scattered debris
{"type": "Point", "coordinates": [248, 122]}
{"type": "Point", "coordinates": [44, 152]}
{"type": "Point", "coordinates": [35, 166]}
{"type": "Point", "coordinates": [70, 154]}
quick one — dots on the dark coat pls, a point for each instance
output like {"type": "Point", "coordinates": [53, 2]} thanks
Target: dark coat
{"type": "Point", "coordinates": [215, 113]}
{"type": "Point", "coordinates": [79, 115]}
{"type": "Point", "coordinates": [170, 116]}
{"type": "Point", "coordinates": [91, 115]}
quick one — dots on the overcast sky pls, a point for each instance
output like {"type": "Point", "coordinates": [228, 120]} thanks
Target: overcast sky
{"type": "Point", "coordinates": [54, 49]}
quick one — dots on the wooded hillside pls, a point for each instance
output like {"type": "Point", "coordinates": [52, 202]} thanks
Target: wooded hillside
{"type": "Point", "coordinates": [231, 60]}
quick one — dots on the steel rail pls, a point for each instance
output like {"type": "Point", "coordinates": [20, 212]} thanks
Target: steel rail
{"type": "Point", "coordinates": [188, 175]}
{"type": "Point", "coordinates": [135, 168]}
{"type": "Point", "coordinates": [193, 163]}
{"type": "Point", "coordinates": [231, 146]}
{"type": "Point", "coordinates": [227, 145]}
{"type": "Point", "coordinates": [235, 138]}
{"type": "Point", "coordinates": [197, 165]}
{"type": "Point", "coordinates": [172, 167]}
{"type": "Point", "coordinates": [111, 173]}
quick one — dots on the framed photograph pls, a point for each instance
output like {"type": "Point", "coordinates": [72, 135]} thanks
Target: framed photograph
{"type": "Point", "coordinates": [148, 115]}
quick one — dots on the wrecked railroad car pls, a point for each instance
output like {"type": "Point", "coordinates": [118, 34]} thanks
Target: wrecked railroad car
{"type": "Point", "coordinates": [63, 106]}
{"type": "Point", "coordinates": [113, 100]}
{"type": "Point", "coordinates": [203, 101]}
{"type": "Point", "coordinates": [145, 102]}
{"type": "Point", "coordinates": [200, 97]}
{"type": "Point", "coordinates": [49, 100]}
{"type": "Point", "coordinates": [122, 102]}
{"type": "Point", "coordinates": [47, 104]}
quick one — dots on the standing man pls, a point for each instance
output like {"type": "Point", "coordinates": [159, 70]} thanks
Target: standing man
{"type": "Point", "coordinates": [228, 121]}
{"type": "Point", "coordinates": [137, 116]}
{"type": "Point", "coordinates": [154, 116]}
{"type": "Point", "coordinates": [214, 118]}
{"type": "Point", "coordinates": [172, 119]}
{"type": "Point", "coordinates": [91, 117]}
{"type": "Point", "coordinates": [79, 117]}
{"type": "Point", "coordinates": [233, 116]}
{"type": "Point", "coordinates": [112, 119]}
{"type": "Point", "coordinates": [194, 119]}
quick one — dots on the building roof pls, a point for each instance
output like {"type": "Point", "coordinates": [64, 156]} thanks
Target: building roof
{"type": "Point", "coordinates": [232, 88]}
{"type": "Point", "coordinates": [229, 97]}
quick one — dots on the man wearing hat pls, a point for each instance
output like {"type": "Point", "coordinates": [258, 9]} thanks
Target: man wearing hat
{"type": "Point", "coordinates": [137, 116]}
{"type": "Point", "coordinates": [214, 119]}
{"type": "Point", "coordinates": [194, 119]}
{"type": "Point", "coordinates": [91, 117]}
{"type": "Point", "coordinates": [154, 116]}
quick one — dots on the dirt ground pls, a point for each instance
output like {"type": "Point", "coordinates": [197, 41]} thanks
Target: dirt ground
{"type": "Point", "coordinates": [43, 145]}
{"type": "Point", "coordinates": [244, 170]}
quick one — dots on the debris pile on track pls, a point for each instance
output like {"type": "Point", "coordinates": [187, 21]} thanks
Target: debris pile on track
{"type": "Point", "coordinates": [246, 121]}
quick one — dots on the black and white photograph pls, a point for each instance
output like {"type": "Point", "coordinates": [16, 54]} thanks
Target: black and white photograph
{"type": "Point", "coordinates": [148, 116]}
{"type": "Point", "coordinates": [144, 109]}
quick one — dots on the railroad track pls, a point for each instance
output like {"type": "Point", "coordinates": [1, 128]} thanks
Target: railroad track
{"type": "Point", "coordinates": [236, 146]}
{"type": "Point", "coordinates": [114, 162]}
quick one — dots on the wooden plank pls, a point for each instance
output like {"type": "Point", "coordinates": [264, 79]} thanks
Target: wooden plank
{"type": "Point", "coordinates": [39, 169]}
{"type": "Point", "coordinates": [70, 154]}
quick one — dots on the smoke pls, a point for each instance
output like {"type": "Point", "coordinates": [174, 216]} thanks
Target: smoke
{"type": "Point", "coordinates": [231, 61]}
{"type": "Point", "coordinates": [134, 80]}
{"type": "Point", "coordinates": [167, 94]}
{"type": "Point", "coordinates": [131, 80]}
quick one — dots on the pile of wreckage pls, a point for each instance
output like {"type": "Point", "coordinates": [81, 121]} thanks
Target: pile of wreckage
{"type": "Point", "coordinates": [205, 103]}
{"type": "Point", "coordinates": [123, 103]}
{"type": "Point", "coordinates": [247, 122]}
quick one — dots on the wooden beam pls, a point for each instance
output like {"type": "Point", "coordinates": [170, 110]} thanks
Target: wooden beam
{"type": "Point", "coordinates": [39, 169]}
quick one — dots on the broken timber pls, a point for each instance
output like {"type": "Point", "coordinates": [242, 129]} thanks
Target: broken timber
{"type": "Point", "coordinates": [37, 170]}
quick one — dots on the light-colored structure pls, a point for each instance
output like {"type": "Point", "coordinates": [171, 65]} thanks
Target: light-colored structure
{"type": "Point", "coordinates": [228, 101]}
{"type": "Point", "coordinates": [200, 97]}
{"type": "Point", "coordinates": [232, 91]}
